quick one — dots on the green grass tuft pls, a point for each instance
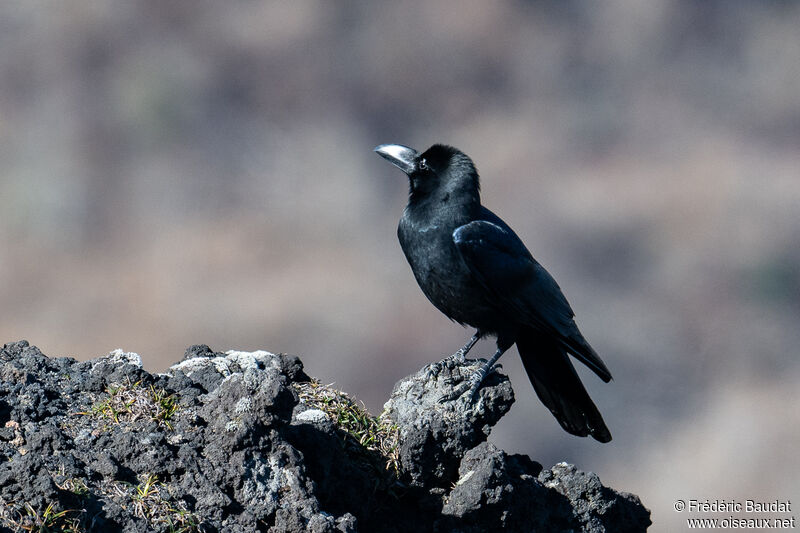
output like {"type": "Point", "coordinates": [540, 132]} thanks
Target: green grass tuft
{"type": "Point", "coordinates": [373, 434]}
{"type": "Point", "coordinates": [132, 401]}
{"type": "Point", "coordinates": [49, 520]}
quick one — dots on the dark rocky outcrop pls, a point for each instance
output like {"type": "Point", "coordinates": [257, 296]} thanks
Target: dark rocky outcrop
{"type": "Point", "coordinates": [247, 442]}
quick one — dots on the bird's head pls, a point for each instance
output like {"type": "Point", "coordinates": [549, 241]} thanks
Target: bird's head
{"type": "Point", "coordinates": [440, 171]}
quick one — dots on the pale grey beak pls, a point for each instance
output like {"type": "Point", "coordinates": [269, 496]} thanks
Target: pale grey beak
{"type": "Point", "coordinates": [402, 157]}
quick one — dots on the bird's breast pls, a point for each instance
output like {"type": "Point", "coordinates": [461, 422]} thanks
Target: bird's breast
{"type": "Point", "coordinates": [442, 274]}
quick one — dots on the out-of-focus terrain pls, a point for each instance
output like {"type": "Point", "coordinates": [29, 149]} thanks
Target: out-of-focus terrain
{"type": "Point", "coordinates": [174, 173]}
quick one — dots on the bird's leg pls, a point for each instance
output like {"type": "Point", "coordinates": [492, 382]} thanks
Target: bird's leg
{"type": "Point", "coordinates": [462, 352]}
{"type": "Point", "coordinates": [477, 378]}
{"type": "Point", "coordinates": [474, 382]}
{"type": "Point", "coordinates": [455, 359]}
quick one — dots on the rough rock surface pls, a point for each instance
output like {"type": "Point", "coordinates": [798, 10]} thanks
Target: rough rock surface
{"type": "Point", "coordinates": [223, 442]}
{"type": "Point", "coordinates": [435, 436]}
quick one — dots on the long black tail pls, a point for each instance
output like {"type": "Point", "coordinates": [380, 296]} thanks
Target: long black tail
{"type": "Point", "coordinates": [559, 387]}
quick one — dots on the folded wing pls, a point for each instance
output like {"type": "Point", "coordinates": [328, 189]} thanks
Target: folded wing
{"type": "Point", "coordinates": [502, 265]}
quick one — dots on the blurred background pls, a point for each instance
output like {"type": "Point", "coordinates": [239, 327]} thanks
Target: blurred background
{"type": "Point", "coordinates": [175, 173]}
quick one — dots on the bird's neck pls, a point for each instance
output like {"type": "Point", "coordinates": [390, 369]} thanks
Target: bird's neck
{"type": "Point", "coordinates": [442, 208]}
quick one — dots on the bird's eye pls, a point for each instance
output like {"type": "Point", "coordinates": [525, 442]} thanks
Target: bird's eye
{"type": "Point", "coordinates": [423, 165]}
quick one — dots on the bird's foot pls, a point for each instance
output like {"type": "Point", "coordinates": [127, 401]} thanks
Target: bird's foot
{"type": "Point", "coordinates": [472, 385]}
{"type": "Point", "coordinates": [449, 363]}
{"type": "Point", "coordinates": [457, 392]}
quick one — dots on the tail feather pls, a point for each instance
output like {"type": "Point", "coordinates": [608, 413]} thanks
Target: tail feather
{"type": "Point", "coordinates": [581, 349]}
{"type": "Point", "coordinates": [559, 387]}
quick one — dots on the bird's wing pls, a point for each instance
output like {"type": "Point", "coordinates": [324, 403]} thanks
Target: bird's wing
{"type": "Point", "coordinates": [505, 268]}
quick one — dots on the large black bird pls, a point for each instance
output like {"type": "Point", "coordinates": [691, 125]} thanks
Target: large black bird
{"type": "Point", "coordinates": [475, 270]}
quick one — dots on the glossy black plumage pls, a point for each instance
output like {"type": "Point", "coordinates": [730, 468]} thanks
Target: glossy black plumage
{"type": "Point", "coordinates": [475, 270]}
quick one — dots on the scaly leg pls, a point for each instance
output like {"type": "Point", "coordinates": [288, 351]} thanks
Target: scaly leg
{"type": "Point", "coordinates": [455, 359]}
{"type": "Point", "coordinates": [473, 384]}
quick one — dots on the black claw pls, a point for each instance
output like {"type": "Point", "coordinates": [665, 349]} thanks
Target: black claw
{"type": "Point", "coordinates": [432, 372]}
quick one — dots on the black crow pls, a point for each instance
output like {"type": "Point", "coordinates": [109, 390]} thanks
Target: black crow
{"type": "Point", "coordinates": [475, 270]}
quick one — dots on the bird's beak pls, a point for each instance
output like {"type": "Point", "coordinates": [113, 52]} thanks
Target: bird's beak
{"type": "Point", "coordinates": [402, 157]}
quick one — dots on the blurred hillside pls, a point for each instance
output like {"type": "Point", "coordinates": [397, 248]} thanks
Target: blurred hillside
{"type": "Point", "coordinates": [174, 173]}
